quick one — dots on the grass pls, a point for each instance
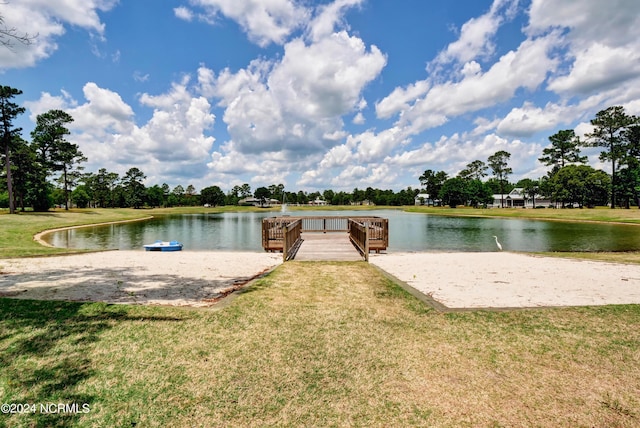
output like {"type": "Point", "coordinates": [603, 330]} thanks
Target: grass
{"type": "Point", "coordinates": [320, 344]}
{"type": "Point", "coordinates": [600, 214]}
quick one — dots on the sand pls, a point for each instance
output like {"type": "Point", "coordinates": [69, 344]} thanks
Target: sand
{"type": "Point", "coordinates": [200, 278]}
{"type": "Point", "coordinates": [510, 280]}
{"type": "Point", "coordinates": [185, 278]}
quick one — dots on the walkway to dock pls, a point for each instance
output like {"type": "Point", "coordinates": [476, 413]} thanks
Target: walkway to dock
{"type": "Point", "coordinates": [334, 246]}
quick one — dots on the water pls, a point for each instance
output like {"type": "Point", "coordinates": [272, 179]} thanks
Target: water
{"type": "Point", "coordinates": [407, 232]}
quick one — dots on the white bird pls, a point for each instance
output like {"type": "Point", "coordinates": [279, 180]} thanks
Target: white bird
{"type": "Point", "coordinates": [497, 243]}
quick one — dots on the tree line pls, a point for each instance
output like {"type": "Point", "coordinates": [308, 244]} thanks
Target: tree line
{"type": "Point", "coordinates": [48, 171]}
{"type": "Point", "coordinates": [569, 181]}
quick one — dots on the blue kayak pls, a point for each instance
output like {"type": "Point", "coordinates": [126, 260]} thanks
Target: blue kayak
{"type": "Point", "coordinates": [164, 246]}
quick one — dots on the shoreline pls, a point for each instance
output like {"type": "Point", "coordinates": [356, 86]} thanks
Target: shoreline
{"type": "Point", "coordinates": [38, 237]}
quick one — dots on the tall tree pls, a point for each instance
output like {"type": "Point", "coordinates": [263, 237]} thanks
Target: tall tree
{"type": "Point", "coordinates": [498, 163]}
{"type": "Point", "coordinates": [565, 148]}
{"type": "Point", "coordinates": [178, 193]}
{"type": "Point", "coordinates": [189, 193]}
{"type": "Point", "coordinates": [262, 194]}
{"type": "Point", "coordinates": [101, 186]}
{"type": "Point", "coordinates": [530, 188]}
{"type": "Point", "coordinates": [630, 176]}
{"type": "Point", "coordinates": [54, 152]}
{"type": "Point", "coordinates": [609, 126]}
{"type": "Point", "coordinates": [245, 190]}
{"type": "Point", "coordinates": [453, 192]}
{"type": "Point", "coordinates": [212, 195]}
{"type": "Point", "coordinates": [432, 182]}
{"type": "Point", "coordinates": [581, 184]}
{"type": "Point", "coordinates": [67, 158]}
{"type": "Point", "coordinates": [475, 170]}
{"type": "Point", "coordinates": [8, 112]}
{"type": "Point", "coordinates": [134, 188]}
{"type": "Point", "coordinates": [24, 170]}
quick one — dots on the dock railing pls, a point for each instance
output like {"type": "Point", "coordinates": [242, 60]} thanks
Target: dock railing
{"type": "Point", "coordinates": [273, 231]}
{"type": "Point", "coordinates": [359, 236]}
{"type": "Point", "coordinates": [292, 239]}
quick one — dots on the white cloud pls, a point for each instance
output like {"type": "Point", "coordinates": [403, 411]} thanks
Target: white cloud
{"type": "Point", "coordinates": [453, 153]}
{"type": "Point", "coordinates": [611, 23]}
{"type": "Point", "coordinates": [46, 19]}
{"type": "Point", "coordinates": [599, 67]}
{"type": "Point", "coordinates": [527, 68]}
{"type": "Point", "coordinates": [183, 13]}
{"type": "Point", "coordinates": [401, 99]}
{"type": "Point", "coordinates": [294, 106]}
{"type": "Point", "coordinates": [476, 35]}
{"type": "Point", "coordinates": [173, 142]}
{"type": "Point", "coordinates": [527, 120]}
{"type": "Point", "coordinates": [601, 43]}
{"type": "Point", "coordinates": [139, 77]}
{"type": "Point", "coordinates": [358, 119]}
{"type": "Point", "coordinates": [264, 22]}
{"type": "Point", "coordinates": [324, 23]}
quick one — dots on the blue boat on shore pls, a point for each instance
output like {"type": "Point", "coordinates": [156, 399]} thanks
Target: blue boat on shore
{"type": "Point", "coordinates": [164, 246]}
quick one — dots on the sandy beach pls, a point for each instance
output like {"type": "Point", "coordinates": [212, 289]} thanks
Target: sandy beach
{"type": "Point", "coordinates": [511, 280]}
{"type": "Point", "coordinates": [193, 278]}
{"type": "Point", "coordinates": [185, 278]}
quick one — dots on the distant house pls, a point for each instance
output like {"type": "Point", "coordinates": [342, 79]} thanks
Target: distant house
{"type": "Point", "coordinates": [257, 202]}
{"type": "Point", "coordinates": [518, 199]}
{"type": "Point", "coordinates": [317, 201]}
{"type": "Point", "coordinates": [424, 199]}
{"type": "Point", "coordinates": [365, 202]}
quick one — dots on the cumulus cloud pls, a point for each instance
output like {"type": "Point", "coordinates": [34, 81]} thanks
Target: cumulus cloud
{"type": "Point", "coordinates": [524, 68]}
{"type": "Point", "coordinates": [173, 141]}
{"type": "Point", "coordinates": [330, 15]}
{"type": "Point", "coordinates": [476, 36]}
{"type": "Point", "coordinates": [292, 109]}
{"type": "Point", "coordinates": [453, 153]}
{"type": "Point", "coordinates": [527, 120]}
{"type": "Point", "coordinates": [588, 21]}
{"type": "Point", "coordinates": [183, 13]}
{"type": "Point", "coordinates": [46, 19]}
{"type": "Point", "coordinates": [599, 67]}
{"type": "Point", "coordinates": [264, 22]}
{"type": "Point", "coordinates": [600, 48]}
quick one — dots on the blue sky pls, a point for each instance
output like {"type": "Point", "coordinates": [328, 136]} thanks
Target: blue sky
{"type": "Point", "coordinates": [321, 94]}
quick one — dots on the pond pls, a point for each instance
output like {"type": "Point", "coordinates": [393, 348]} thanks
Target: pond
{"type": "Point", "coordinates": [407, 232]}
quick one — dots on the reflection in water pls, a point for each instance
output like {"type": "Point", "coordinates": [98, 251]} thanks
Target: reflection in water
{"type": "Point", "coordinates": [407, 232]}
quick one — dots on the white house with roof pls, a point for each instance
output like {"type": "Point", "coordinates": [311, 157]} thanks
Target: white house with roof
{"type": "Point", "coordinates": [518, 199]}
{"type": "Point", "coordinates": [423, 199]}
{"type": "Point", "coordinates": [318, 202]}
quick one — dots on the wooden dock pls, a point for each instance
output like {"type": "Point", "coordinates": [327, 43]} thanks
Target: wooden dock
{"type": "Point", "coordinates": [327, 247]}
{"type": "Point", "coordinates": [325, 238]}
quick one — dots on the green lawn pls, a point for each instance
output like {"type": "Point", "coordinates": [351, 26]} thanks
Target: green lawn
{"type": "Point", "coordinates": [320, 344]}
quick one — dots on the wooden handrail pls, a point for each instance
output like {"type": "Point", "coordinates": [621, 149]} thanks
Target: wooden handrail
{"type": "Point", "coordinates": [359, 236]}
{"type": "Point", "coordinates": [291, 234]}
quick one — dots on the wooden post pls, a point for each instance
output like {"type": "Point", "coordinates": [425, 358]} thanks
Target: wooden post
{"type": "Point", "coordinates": [366, 242]}
{"type": "Point", "coordinates": [285, 250]}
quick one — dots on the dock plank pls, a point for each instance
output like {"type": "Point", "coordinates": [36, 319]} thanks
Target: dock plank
{"type": "Point", "coordinates": [334, 246]}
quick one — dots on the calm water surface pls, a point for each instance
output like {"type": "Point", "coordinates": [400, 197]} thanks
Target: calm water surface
{"type": "Point", "coordinates": [407, 232]}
